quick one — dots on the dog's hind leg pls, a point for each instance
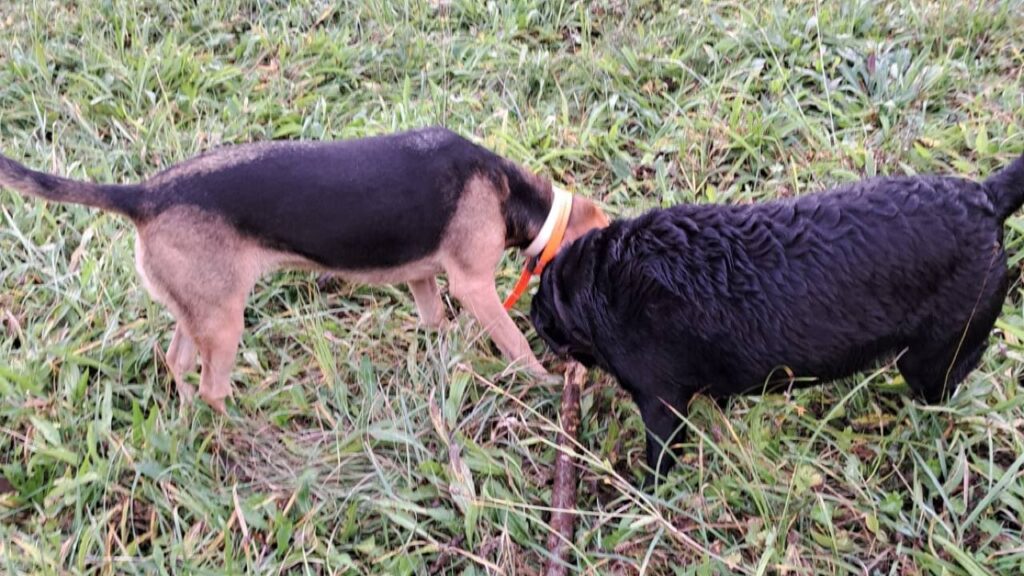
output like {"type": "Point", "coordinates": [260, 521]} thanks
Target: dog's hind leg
{"type": "Point", "coordinates": [934, 373]}
{"type": "Point", "coordinates": [217, 320]}
{"type": "Point", "coordinates": [428, 302]}
{"type": "Point", "coordinates": [181, 353]}
{"type": "Point", "coordinates": [181, 359]}
{"type": "Point", "coordinates": [203, 270]}
{"type": "Point", "coordinates": [933, 370]}
{"type": "Point", "coordinates": [218, 336]}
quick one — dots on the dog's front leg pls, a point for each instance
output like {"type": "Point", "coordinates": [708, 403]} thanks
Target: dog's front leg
{"type": "Point", "coordinates": [664, 430]}
{"type": "Point", "coordinates": [481, 298]}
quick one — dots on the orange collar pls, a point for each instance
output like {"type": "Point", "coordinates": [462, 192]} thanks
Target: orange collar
{"type": "Point", "coordinates": [557, 222]}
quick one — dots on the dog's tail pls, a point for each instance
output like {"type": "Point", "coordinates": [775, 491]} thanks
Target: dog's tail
{"type": "Point", "coordinates": [1006, 188]}
{"type": "Point", "coordinates": [123, 199]}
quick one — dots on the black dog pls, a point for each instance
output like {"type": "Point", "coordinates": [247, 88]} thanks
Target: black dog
{"type": "Point", "coordinates": [730, 299]}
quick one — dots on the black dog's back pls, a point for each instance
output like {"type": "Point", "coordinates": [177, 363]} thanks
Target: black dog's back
{"type": "Point", "coordinates": [819, 284]}
{"type": "Point", "coordinates": [729, 299]}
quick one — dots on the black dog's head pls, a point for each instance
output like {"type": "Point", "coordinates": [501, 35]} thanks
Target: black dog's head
{"type": "Point", "coordinates": [560, 307]}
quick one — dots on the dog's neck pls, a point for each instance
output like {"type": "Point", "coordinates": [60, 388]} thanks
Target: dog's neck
{"type": "Point", "coordinates": [529, 222]}
{"type": "Point", "coordinates": [560, 201]}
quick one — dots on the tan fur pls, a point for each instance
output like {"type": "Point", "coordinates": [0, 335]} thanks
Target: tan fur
{"type": "Point", "coordinates": [202, 270]}
{"type": "Point", "coordinates": [471, 252]}
{"type": "Point", "coordinates": [428, 302]}
{"type": "Point", "coordinates": [584, 217]}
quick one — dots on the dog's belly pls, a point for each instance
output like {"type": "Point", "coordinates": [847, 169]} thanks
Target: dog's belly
{"type": "Point", "coordinates": [794, 342]}
{"type": "Point", "coordinates": [789, 372]}
{"type": "Point", "coordinates": [417, 270]}
{"type": "Point", "coordinates": [423, 268]}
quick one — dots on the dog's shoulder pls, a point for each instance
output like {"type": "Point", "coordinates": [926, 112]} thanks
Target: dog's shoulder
{"type": "Point", "coordinates": [433, 139]}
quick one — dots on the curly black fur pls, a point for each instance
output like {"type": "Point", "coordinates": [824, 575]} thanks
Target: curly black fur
{"type": "Point", "coordinates": [731, 299]}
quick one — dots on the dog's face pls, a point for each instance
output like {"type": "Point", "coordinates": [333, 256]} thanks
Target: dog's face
{"type": "Point", "coordinates": [556, 308]}
{"type": "Point", "coordinates": [584, 217]}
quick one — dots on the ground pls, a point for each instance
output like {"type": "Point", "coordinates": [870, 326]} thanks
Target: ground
{"type": "Point", "coordinates": [360, 443]}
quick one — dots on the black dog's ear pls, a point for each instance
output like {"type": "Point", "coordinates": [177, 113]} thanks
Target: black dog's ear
{"type": "Point", "coordinates": [561, 306]}
{"type": "Point", "coordinates": [550, 311]}
{"type": "Point", "coordinates": [572, 299]}
{"type": "Point", "coordinates": [563, 283]}
{"type": "Point", "coordinates": [562, 310]}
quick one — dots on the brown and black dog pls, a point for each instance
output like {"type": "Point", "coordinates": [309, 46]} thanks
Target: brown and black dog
{"type": "Point", "coordinates": [386, 209]}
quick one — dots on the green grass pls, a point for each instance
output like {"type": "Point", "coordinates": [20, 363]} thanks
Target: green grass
{"type": "Point", "coordinates": [361, 444]}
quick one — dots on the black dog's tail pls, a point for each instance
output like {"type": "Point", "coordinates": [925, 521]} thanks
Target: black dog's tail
{"type": "Point", "coordinates": [126, 199]}
{"type": "Point", "coordinates": [1006, 188]}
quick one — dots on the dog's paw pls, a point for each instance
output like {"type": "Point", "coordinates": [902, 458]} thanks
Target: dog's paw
{"type": "Point", "coordinates": [536, 370]}
{"type": "Point", "coordinates": [543, 377]}
{"type": "Point", "coordinates": [186, 393]}
{"type": "Point", "coordinates": [217, 404]}
{"type": "Point", "coordinates": [435, 325]}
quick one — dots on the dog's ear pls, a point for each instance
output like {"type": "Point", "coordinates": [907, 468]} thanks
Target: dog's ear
{"type": "Point", "coordinates": [567, 267]}
{"type": "Point", "coordinates": [546, 311]}
{"type": "Point", "coordinates": [552, 310]}
{"type": "Point", "coordinates": [560, 307]}
{"type": "Point", "coordinates": [584, 217]}
{"type": "Point", "coordinates": [559, 293]}
{"type": "Point", "coordinates": [571, 299]}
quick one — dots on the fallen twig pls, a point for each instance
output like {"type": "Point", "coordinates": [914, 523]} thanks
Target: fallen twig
{"type": "Point", "coordinates": [563, 493]}
{"type": "Point", "coordinates": [446, 554]}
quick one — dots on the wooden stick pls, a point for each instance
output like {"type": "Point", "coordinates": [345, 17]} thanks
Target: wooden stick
{"type": "Point", "coordinates": [563, 493]}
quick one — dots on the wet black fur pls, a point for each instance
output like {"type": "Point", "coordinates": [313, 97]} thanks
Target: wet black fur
{"type": "Point", "coordinates": [718, 299]}
{"type": "Point", "coordinates": [357, 204]}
